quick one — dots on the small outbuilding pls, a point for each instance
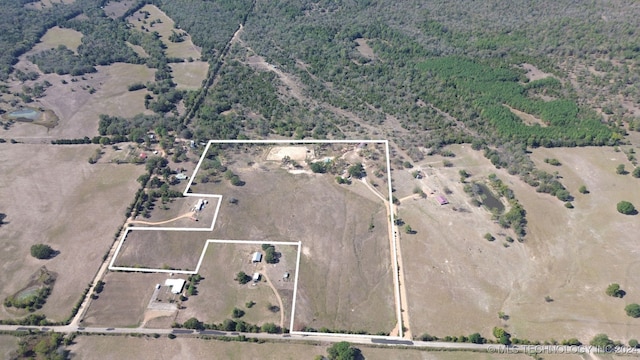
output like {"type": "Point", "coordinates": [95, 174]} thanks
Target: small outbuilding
{"type": "Point", "coordinates": [442, 200]}
{"type": "Point", "coordinates": [256, 277]}
{"type": "Point", "coordinates": [257, 257]}
{"type": "Point", "coordinates": [181, 176]}
{"type": "Point", "coordinates": [176, 285]}
{"type": "Point", "coordinates": [285, 276]}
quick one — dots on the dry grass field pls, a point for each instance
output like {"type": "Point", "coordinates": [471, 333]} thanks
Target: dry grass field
{"type": "Point", "coordinates": [219, 293]}
{"type": "Point", "coordinates": [458, 281]}
{"type": "Point", "coordinates": [115, 347]}
{"type": "Point", "coordinates": [43, 4]}
{"type": "Point", "coordinates": [76, 107]}
{"type": "Point", "coordinates": [177, 209]}
{"type": "Point", "coordinates": [52, 195]}
{"type": "Point", "coordinates": [152, 249]}
{"type": "Point", "coordinates": [115, 9]}
{"type": "Point", "coordinates": [124, 299]}
{"type": "Point", "coordinates": [189, 75]}
{"type": "Point", "coordinates": [58, 36]}
{"type": "Point", "coordinates": [345, 272]}
{"type": "Point", "coordinates": [8, 344]}
{"type": "Point", "coordinates": [183, 50]}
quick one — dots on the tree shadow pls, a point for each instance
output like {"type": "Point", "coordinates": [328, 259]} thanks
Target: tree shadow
{"type": "Point", "coordinates": [2, 217]}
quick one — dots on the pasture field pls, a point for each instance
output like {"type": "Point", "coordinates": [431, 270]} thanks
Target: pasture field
{"type": "Point", "coordinates": [179, 213]}
{"type": "Point", "coordinates": [345, 276]}
{"type": "Point", "coordinates": [189, 75]}
{"type": "Point", "coordinates": [112, 347]}
{"type": "Point", "coordinates": [164, 25]}
{"type": "Point", "coordinates": [115, 9]}
{"type": "Point", "coordinates": [218, 292]}
{"type": "Point", "coordinates": [49, 196]}
{"type": "Point", "coordinates": [8, 344]}
{"type": "Point", "coordinates": [124, 300]}
{"type": "Point", "coordinates": [76, 106]}
{"type": "Point", "coordinates": [59, 36]}
{"type": "Point", "coordinates": [43, 4]}
{"type": "Point", "coordinates": [153, 249]}
{"type": "Point", "coordinates": [458, 281]}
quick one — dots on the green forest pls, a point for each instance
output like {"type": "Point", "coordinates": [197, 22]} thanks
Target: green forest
{"type": "Point", "coordinates": [423, 74]}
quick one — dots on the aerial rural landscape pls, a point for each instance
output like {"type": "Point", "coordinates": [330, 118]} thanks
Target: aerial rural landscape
{"type": "Point", "coordinates": [319, 179]}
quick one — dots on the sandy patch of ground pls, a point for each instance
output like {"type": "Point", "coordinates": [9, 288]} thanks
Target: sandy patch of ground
{"type": "Point", "coordinates": [52, 195]}
{"type": "Point", "coordinates": [526, 118]}
{"type": "Point", "coordinates": [189, 75]}
{"type": "Point", "coordinates": [59, 36]}
{"type": "Point", "coordinates": [297, 153]}
{"type": "Point", "coordinates": [533, 73]}
{"type": "Point", "coordinates": [183, 50]}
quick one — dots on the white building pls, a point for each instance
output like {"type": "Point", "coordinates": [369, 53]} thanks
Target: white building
{"type": "Point", "coordinates": [176, 285]}
{"type": "Point", "coordinates": [256, 276]}
{"type": "Point", "coordinates": [257, 257]}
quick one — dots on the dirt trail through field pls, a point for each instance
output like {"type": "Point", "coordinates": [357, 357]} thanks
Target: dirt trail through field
{"type": "Point", "coordinates": [275, 291]}
{"type": "Point", "coordinates": [404, 306]}
{"type": "Point", "coordinates": [189, 214]}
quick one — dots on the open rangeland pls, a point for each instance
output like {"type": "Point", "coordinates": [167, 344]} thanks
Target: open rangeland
{"type": "Point", "coordinates": [158, 21]}
{"type": "Point", "coordinates": [553, 284]}
{"type": "Point", "coordinates": [52, 195]}
{"type": "Point", "coordinates": [8, 344]}
{"type": "Point", "coordinates": [57, 36]}
{"type": "Point", "coordinates": [189, 75]}
{"type": "Point", "coordinates": [152, 249]}
{"type": "Point", "coordinates": [43, 4]}
{"type": "Point", "coordinates": [117, 347]}
{"type": "Point", "coordinates": [219, 293]}
{"type": "Point", "coordinates": [123, 301]}
{"type": "Point", "coordinates": [115, 9]}
{"type": "Point", "coordinates": [346, 278]}
{"type": "Point", "coordinates": [79, 103]}
{"type": "Point", "coordinates": [179, 213]}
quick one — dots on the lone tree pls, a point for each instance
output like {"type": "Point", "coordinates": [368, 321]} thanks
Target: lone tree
{"type": "Point", "coordinates": [42, 251]}
{"type": "Point", "coordinates": [601, 341]}
{"type": "Point", "coordinates": [343, 351]}
{"type": "Point", "coordinates": [357, 171]}
{"type": "Point", "coordinates": [583, 190]}
{"type": "Point", "coordinates": [636, 172]}
{"type": "Point", "coordinates": [615, 291]}
{"type": "Point", "coordinates": [625, 207]}
{"type": "Point", "coordinates": [620, 170]}
{"type": "Point", "coordinates": [633, 310]}
{"type": "Point", "coordinates": [242, 278]}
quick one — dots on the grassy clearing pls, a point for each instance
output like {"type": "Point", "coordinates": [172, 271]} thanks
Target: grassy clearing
{"type": "Point", "coordinates": [179, 207]}
{"type": "Point", "coordinates": [569, 255]}
{"type": "Point", "coordinates": [189, 75]}
{"type": "Point", "coordinates": [8, 344]}
{"type": "Point", "coordinates": [124, 299]}
{"type": "Point", "coordinates": [183, 50]}
{"type": "Point", "coordinates": [57, 36]}
{"type": "Point", "coordinates": [49, 195]}
{"type": "Point", "coordinates": [115, 9]}
{"type": "Point", "coordinates": [162, 249]}
{"type": "Point", "coordinates": [138, 49]}
{"type": "Point", "coordinates": [43, 4]}
{"type": "Point", "coordinates": [345, 271]}
{"type": "Point", "coordinates": [219, 293]}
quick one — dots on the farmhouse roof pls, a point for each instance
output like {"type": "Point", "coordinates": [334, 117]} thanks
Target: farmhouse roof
{"type": "Point", "coordinates": [442, 200]}
{"type": "Point", "coordinates": [257, 257]}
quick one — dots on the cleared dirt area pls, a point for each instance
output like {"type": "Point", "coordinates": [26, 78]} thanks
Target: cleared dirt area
{"type": "Point", "coordinates": [124, 299]}
{"type": "Point", "coordinates": [527, 118]}
{"type": "Point", "coordinates": [189, 75]}
{"type": "Point", "coordinates": [77, 108]}
{"type": "Point", "coordinates": [533, 73]}
{"type": "Point", "coordinates": [58, 36]}
{"type": "Point", "coordinates": [219, 293]}
{"type": "Point", "coordinates": [182, 210]}
{"type": "Point", "coordinates": [49, 194]}
{"type": "Point", "coordinates": [458, 281]}
{"type": "Point", "coordinates": [364, 49]}
{"type": "Point", "coordinates": [345, 273]}
{"type": "Point", "coordinates": [162, 249]}
{"type": "Point", "coordinates": [115, 347]}
{"type": "Point", "coordinates": [183, 50]}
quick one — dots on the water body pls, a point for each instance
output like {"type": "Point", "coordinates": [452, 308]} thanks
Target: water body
{"type": "Point", "coordinates": [24, 113]}
{"type": "Point", "coordinates": [489, 199]}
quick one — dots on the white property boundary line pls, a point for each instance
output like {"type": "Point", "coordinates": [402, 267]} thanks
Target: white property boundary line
{"type": "Point", "coordinates": [186, 193]}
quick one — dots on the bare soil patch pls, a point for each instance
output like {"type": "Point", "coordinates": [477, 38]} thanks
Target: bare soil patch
{"type": "Point", "coordinates": [364, 49]}
{"type": "Point", "coordinates": [527, 118]}
{"type": "Point", "coordinates": [189, 75]}
{"type": "Point", "coordinates": [458, 281]}
{"type": "Point", "coordinates": [49, 195]}
{"type": "Point", "coordinates": [533, 73]}
{"type": "Point", "coordinates": [183, 50]}
{"type": "Point", "coordinates": [162, 249]}
{"type": "Point", "coordinates": [218, 292]}
{"type": "Point", "coordinates": [57, 36]}
{"type": "Point", "coordinates": [124, 299]}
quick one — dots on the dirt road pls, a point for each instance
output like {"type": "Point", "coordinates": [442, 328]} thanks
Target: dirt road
{"type": "Point", "coordinates": [189, 214]}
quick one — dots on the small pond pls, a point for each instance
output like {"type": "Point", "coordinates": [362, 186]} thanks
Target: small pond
{"type": "Point", "coordinates": [24, 113]}
{"type": "Point", "coordinates": [489, 200]}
